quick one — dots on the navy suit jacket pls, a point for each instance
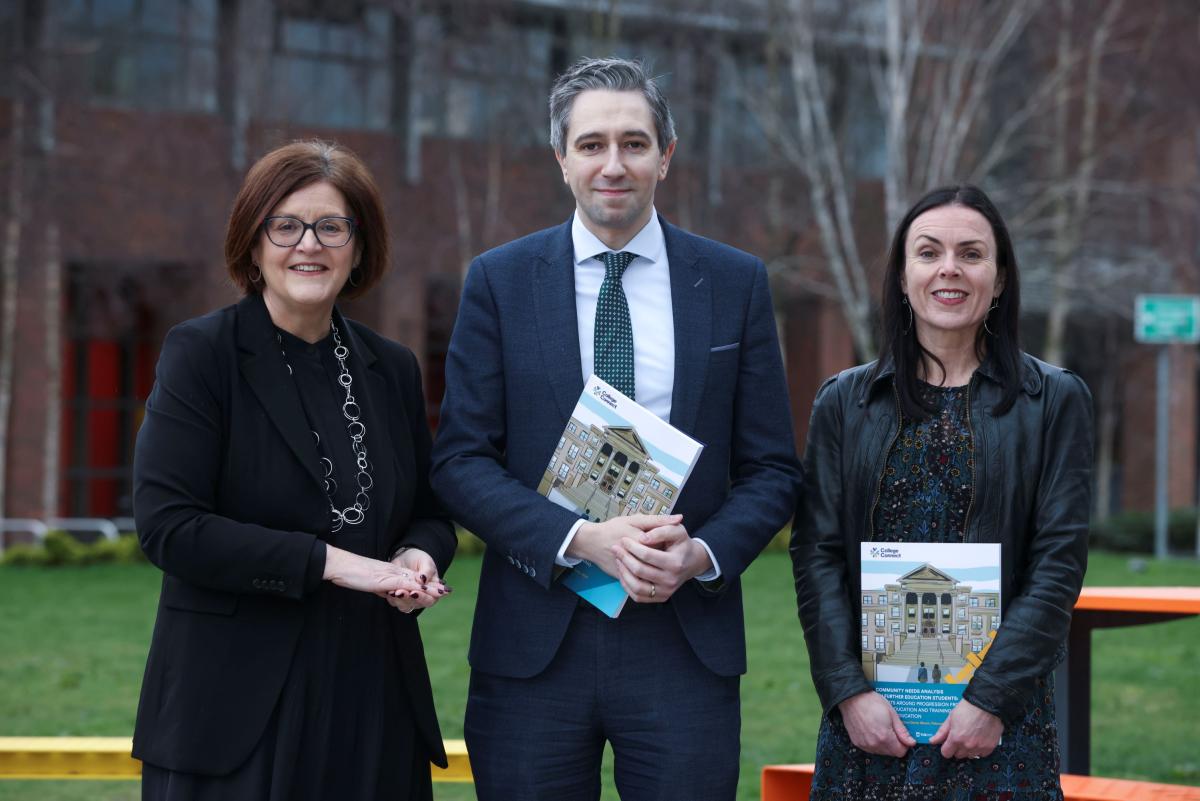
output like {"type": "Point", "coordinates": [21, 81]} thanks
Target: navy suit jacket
{"type": "Point", "coordinates": [513, 376]}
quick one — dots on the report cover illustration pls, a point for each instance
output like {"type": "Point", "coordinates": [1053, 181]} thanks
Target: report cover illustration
{"type": "Point", "coordinates": [929, 614]}
{"type": "Point", "coordinates": [615, 457]}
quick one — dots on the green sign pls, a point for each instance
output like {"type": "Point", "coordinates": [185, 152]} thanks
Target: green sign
{"type": "Point", "coordinates": [1167, 319]}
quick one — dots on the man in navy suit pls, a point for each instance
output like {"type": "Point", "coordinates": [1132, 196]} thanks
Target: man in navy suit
{"type": "Point", "coordinates": [553, 678]}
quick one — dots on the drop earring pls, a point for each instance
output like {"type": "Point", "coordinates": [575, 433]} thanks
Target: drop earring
{"type": "Point", "coordinates": [995, 305]}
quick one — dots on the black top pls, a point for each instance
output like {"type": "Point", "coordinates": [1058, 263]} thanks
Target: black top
{"type": "Point", "coordinates": [315, 372]}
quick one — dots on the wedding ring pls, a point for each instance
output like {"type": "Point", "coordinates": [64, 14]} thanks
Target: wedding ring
{"type": "Point", "coordinates": [653, 589]}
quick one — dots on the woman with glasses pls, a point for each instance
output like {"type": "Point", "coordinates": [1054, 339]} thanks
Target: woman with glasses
{"type": "Point", "coordinates": [281, 484]}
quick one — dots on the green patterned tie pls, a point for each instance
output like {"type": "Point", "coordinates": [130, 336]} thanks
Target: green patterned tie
{"type": "Point", "coordinates": [613, 335]}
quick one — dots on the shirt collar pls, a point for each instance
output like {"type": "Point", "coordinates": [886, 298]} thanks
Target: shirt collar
{"type": "Point", "coordinates": [648, 243]}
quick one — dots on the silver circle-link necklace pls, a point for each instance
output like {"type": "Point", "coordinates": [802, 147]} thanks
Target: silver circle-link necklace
{"type": "Point", "coordinates": [355, 513]}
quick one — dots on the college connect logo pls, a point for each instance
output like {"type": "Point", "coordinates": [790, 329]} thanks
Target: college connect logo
{"type": "Point", "coordinates": [885, 553]}
{"type": "Point", "coordinates": [605, 395]}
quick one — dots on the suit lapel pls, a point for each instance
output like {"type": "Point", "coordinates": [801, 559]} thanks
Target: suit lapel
{"type": "Point", "coordinates": [264, 370]}
{"type": "Point", "coordinates": [557, 323]}
{"type": "Point", "coordinates": [691, 306]}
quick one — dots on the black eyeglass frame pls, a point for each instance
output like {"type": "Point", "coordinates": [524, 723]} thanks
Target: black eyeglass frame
{"type": "Point", "coordinates": [306, 227]}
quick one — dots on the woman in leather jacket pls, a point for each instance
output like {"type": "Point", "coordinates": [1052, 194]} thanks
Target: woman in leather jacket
{"type": "Point", "coordinates": [954, 435]}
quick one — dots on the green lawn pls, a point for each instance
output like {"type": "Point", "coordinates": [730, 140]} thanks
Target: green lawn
{"type": "Point", "coordinates": [73, 643]}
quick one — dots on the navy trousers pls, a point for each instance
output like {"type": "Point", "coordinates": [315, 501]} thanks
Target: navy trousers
{"type": "Point", "coordinates": [674, 725]}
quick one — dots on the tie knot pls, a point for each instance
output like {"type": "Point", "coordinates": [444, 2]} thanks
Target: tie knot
{"type": "Point", "coordinates": [615, 263]}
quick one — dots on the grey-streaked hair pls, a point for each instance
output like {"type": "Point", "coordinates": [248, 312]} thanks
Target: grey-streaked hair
{"type": "Point", "coordinates": [615, 74]}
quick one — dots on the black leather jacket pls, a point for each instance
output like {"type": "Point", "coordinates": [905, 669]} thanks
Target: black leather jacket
{"type": "Point", "coordinates": [1033, 486]}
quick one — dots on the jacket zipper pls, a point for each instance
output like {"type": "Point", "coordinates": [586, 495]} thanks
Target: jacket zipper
{"type": "Point", "coordinates": [887, 452]}
{"type": "Point", "coordinates": [974, 460]}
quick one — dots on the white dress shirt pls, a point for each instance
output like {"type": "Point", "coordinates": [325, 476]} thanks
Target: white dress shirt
{"type": "Point", "coordinates": [647, 285]}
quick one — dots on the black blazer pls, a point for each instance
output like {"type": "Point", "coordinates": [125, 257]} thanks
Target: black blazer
{"type": "Point", "coordinates": [228, 503]}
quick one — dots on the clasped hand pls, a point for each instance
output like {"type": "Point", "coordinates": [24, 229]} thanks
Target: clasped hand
{"type": "Point", "coordinates": [873, 725]}
{"type": "Point", "coordinates": [968, 732]}
{"type": "Point", "coordinates": [410, 581]}
{"type": "Point", "coordinates": [651, 555]}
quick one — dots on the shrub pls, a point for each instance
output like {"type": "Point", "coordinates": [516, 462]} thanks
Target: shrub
{"type": "Point", "coordinates": [125, 550]}
{"type": "Point", "coordinates": [61, 549]}
{"type": "Point", "coordinates": [24, 556]}
{"type": "Point", "coordinates": [1133, 532]}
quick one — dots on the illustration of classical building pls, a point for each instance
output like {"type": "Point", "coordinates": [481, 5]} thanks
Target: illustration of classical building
{"type": "Point", "coordinates": [604, 472]}
{"type": "Point", "coordinates": [926, 616]}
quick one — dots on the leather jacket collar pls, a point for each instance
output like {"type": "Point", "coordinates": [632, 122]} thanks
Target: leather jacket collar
{"type": "Point", "coordinates": [1031, 378]}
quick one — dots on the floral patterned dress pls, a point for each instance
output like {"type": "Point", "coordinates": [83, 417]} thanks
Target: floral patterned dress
{"type": "Point", "coordinates": [925, 495]}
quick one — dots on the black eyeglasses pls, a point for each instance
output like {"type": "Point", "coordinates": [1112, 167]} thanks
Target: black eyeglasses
{"type": "Point", "coordinates": [331, 232]}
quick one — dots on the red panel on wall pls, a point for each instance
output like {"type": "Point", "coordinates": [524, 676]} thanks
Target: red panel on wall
{"type": "Point", "coordinates": [104, 424]}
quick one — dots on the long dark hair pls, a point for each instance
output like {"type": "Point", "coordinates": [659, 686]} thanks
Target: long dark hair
{"type": "Point", "coordinates": [1001, 348]}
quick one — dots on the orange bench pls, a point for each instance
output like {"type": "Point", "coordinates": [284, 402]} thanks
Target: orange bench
{"type": "Point", "coordinates": [793, 782]}
{"type": "Point", "coordinates": [1098, 608]}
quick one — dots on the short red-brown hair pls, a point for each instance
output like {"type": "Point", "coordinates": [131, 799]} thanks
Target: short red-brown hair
{"type": "Point", "coordinates": [280, 173]}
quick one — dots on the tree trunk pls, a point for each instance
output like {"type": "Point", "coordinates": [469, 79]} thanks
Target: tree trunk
{"type": "Point", "coordinates": [53, 314]}
{"type": "Point", "coordinates": [1074, 207]}
{"type": "Point", "coordinates": [8, 285]}
{"type": "Point", "coordinates": [462, 211]}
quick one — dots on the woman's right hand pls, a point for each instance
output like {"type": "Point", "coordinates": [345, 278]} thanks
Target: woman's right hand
{"type": "Point", "coordinates": [433, 587]}
{"type": "Point", "coordinates": [874, 726]}
{"type": "Point", "coordinates": [354, 572]}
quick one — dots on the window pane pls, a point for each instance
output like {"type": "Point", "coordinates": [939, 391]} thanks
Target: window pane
{"type": "Point", "coordinates": [68, 12]}
{"type": "Point", "coordinates": [377, 33]}
{"type": "Point", "coordinates": [201, 20]}
{"type": "Point", "coordinates": [340, 96]}
{"type": "Point", "coordinates": [112, 12]}
{"type": "Point", "coordinates": [464, 100]}
{"type": "Point", "coordinates": [113, 71]}
{"type": "Point", "coordinates": [202, 78]}
{"type": "Point", "coordinates": [163, 16]}
{"type": "Point", "coordinates": [159, 69]}
{"type": "Point", "coordinates": [9, 34]}
{"type": "Point", "coordinates": [289, 81]}
{"type": "Point", "coordinates": [379, 99]}
{"type": "Point", "coordinates": [301, 35]}
{"type": "Point", "coordinates": [344, 40]}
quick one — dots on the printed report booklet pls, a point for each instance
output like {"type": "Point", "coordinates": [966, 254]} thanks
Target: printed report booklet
{"type": "Point", "coordinates": [929, 614]}
{"type": "Point", "coordinates": [615, 458]}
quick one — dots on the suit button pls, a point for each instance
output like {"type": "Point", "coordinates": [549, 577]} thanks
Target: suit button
{"type": "Point", "coordinates": [533, 572]}
{"type": "Point", "coordinates": [511, 561]}
{"type": "Point", "coordinates": [257, 584]}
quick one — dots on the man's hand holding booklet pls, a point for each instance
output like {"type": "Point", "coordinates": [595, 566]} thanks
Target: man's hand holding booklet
{"type": "Point", "coordinates": [621, 468]}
